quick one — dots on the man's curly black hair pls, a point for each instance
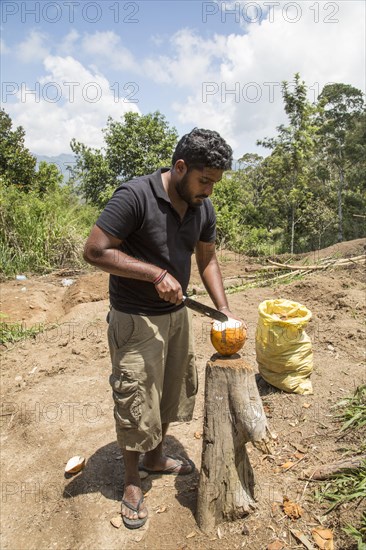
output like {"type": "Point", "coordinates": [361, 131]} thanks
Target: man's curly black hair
{"type": "Point", "coordinates": [203, 149]}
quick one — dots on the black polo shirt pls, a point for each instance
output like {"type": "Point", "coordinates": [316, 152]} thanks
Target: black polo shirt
{"type": "Point", "coordinates": [140, 213]}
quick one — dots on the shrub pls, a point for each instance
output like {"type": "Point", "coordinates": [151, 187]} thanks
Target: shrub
{"type": "Point", "coordinates": [41, 233]}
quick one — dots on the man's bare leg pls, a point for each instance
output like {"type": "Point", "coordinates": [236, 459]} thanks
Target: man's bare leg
{"type": "Point", "coordinates": [132, 491]}
{"type": "Point", "coordinates": [153, 460]}
{"type": "Point", "coordinates": [157, 460]}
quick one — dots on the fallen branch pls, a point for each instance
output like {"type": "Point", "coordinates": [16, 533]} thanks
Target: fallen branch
{"type": "Point", "coordinates": [341, 262]}
{"type": "Point", "coordinates": [330, 470]}
{"type": "Point", "coordinates": [286, 266]}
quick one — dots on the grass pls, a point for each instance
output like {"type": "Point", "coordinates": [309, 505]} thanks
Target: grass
{"type": "Point", "coordinates": [359, 535]}
{"type": "Point", "coordinates": [354, 410]}
{"type": "Point", "coordinates": [345, 487]}
{"type": "Point", "coordinates": [349, 486]}
{"type": "Point", "coordinates": [10, 333]}
{"type": "Point", "coordinates": [41, 233]}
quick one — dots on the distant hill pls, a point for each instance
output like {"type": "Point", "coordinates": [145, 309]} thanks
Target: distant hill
{"type": "Point", "coordinates": [61, 161]}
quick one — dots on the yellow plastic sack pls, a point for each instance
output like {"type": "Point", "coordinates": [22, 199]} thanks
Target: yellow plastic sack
{"type": "Point", "coordinates": [284, 352]}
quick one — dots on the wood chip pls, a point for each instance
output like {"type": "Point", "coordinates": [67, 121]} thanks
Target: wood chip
{"type": "Point", "coordinates": [116, 521]}
{"type": "Point", "coordinates": [276, 545]}
{"type": "Point", "coordinates": [138, 538]}
{"type": "Point", "coordinates": [291, 509]}
{"type": "Point", "coordinates": [302, 538]}
{"type": "Point", "coordinates": [323, 538]}
{"type": "Point", "coordinates": [161, 509]}
{"type": "Point", "coordinates": [286, 465]}
{"type": "Point", "coordinates": [306, 405]}
{"type": "Point", "coordinates": [301, 449]}
{"type": "Point", "coordinates": [219, 534]}
{"type": "Point", "coordinates": [191, 535]}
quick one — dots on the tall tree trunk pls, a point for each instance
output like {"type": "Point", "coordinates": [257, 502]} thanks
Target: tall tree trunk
{"type": "Point", "coordinates": [292, 228]}
{"type": "Point", "coordinates": [340, 211]}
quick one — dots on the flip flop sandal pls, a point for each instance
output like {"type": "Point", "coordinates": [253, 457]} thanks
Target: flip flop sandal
{"type": "Point", "coordinates": [133, 523]}
{"type": "Point", "coordinates": [173, 469]}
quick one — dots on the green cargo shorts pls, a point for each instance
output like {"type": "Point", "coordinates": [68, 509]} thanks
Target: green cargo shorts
{"type": "Point", "coordinates": [154, 377]}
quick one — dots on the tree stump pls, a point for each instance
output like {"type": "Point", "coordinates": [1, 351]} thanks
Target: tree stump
{"type": "Point", "coordinates": [234, 415]}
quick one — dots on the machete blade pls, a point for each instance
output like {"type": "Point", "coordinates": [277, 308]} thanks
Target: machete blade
{"type": "Point", "coordinates": [205, 310]}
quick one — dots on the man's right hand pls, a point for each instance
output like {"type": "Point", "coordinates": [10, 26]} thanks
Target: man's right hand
{"type": "Point", "coordinates": [170, 290]}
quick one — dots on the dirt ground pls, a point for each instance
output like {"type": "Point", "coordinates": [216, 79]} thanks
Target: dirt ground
{"type": "Point", "coordinates": [56, 403]}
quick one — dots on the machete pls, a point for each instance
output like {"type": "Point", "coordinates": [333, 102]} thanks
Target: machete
{"type": "Point", "coordinates": [205, 310]}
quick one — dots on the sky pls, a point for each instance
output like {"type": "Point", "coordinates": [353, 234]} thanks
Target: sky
{"type": "Point", "coordinates": [66, 66]}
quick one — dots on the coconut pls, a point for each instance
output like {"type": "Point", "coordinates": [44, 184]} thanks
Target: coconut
{"type": "Point", "coordinates": [75, 465]}
{"type": "Point", "coordinates": [228, 337]}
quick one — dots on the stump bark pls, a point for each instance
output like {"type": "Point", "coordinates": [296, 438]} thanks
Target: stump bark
{"type": "Point", "coordinates": [234, 415]}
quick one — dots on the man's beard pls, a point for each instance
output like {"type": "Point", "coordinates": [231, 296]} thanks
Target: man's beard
{"type": "Point", "coordinates": [182, 190]}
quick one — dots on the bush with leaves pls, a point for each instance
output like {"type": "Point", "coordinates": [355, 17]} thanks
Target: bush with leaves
{"type": "Point", "coordinates": [17, 164]}
{"type": "Point", "coordinates": [42, 232]}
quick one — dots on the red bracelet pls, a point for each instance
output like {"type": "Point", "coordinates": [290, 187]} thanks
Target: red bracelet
{"type": "Point", "coordinates": [160, 277]}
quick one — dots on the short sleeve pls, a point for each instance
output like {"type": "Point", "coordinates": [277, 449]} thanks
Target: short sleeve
{"type": "Point", "coordinates": [122, 214]}
{"type": "Point", "coordinates": [208, 231]}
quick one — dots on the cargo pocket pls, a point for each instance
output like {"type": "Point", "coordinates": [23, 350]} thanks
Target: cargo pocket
{"type": "Point", "coordinates": [120, 329]}
{"type": "Point", "coordinates": [127, 400]}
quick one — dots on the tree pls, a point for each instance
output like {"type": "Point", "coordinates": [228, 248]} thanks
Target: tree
{"type": "Point", "coordinates": [228, 201]}
{"type": "Point", "coordinates": [341, 106]}
{"type": "Point", "coordinates": [47, 179]}
{"type": "Point", "coordinates": [17, 164]}
{"type": "Point", "coordinates": [92, 176]}
{"type": "Point", "coordinates": [355, 153]}
{"type": "Point", "coordinates": [292, 151]}
{"type": "Point", "coordinates": [136, 146]}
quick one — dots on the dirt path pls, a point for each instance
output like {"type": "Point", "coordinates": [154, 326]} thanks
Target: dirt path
{"type": "Point", "coordinates": [56, 403]}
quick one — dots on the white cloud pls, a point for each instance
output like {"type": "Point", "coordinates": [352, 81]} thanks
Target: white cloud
{"type": "Point", "coordinates": [3, 47]}
{"type": "Point", "coordinates": [70, 101]}
{"type": "Point", "coordinates": [107, 47]}
{"type": "Point", "coordinates": [213, 82]}
{"type": "Point", "coordinates": [33, 48]}
{"type": "Point", "coordinates": [255, 62]}
{"type": "Point", "coordinates": [68, 43]}
{"type": "Point", "coordinates": [194, 58]}
{"type": "Point", "coordinates": [157, 40]}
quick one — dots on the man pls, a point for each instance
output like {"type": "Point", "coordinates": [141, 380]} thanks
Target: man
{"type": "Point", "coordinates": [145, 238]}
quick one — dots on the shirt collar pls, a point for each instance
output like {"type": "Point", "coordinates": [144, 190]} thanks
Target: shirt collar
{"type": "Point", "coordinates": [159, 190]}
{"type": "Point", "coordinates": [157, 184]}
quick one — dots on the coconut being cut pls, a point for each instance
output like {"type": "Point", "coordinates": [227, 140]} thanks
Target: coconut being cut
{"type": "Point", "coordinates": [229, 337]}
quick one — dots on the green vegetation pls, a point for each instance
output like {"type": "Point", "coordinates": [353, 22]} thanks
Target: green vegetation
{"type": "Point", "coordinates": [40, 233]}
{"type": "Point", "coordinates": [350, 486]}
{"type": "Point", "coordinates": [354, 410]}
{"type": "Point", "coordinates": [43, 224]}
{"type": "Point", "coordinates": [307, 194]}
{"type": "Point", "coordinates": [344, 488]}
{"type": "Point", "coordinates": [137, 146]}
{"type": "Point", "coordinates": [359, 535]}
{"type": "Point", "coordinates": [14, 332]}
{"type": "Point", "coordinates": [310, 191]}
{"type": "Point", "coordinates": [17, 164]}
